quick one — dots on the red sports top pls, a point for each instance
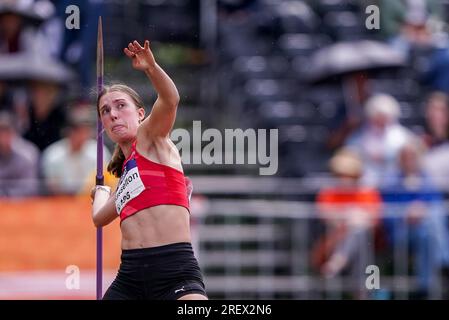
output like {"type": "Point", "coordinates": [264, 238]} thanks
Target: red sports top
{"type": "Point", "coordinates": [145, 184]}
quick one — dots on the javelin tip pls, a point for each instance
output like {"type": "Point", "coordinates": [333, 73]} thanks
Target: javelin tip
{"type": "Point", "coordinates": [100, 70]}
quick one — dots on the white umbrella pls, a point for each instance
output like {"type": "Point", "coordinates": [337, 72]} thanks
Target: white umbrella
{"type": "Point", "coordinates": [349, 57]}
{"type": "Point", "coordinates": [26, 66]}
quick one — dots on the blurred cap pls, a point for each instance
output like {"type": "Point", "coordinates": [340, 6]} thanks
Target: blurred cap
{"type": "Point", "coordinates": [384, 104]}
{"type": "Point", "coordinates": [346, 162]}
{"type": "Point", "coordinates": [33, 11]}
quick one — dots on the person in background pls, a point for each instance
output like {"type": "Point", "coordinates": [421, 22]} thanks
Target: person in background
{"type": "Point", "coordinates": [21, 24]}
{"type": "Point", "coordinates": [437, 119]}
{"type": "Point", "coordinates": [67, 163]}
{"type": "Point", "coordinates": [350, 213]}
{"type": "Point", "coordinates": [379, 139]}
{"type": "Point", "coordinates": [47, 115]}
{"type": "Point", "coordinates": [436, 159]}
{"type": "Point", "coordinates": [18, 161]}
{"type": "Point", "coordinates": [416, 217]}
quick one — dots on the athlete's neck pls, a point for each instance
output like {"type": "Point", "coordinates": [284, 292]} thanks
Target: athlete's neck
{"type": "Point", "coordinates": [126, 148]}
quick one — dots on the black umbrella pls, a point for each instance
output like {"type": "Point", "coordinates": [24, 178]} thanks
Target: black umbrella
{"type": "Point", "coordinates": [349, 57]}
{"type": "Point", "coordinates": [28, 67]}
{"type": "Point", "coordinates": [33, 11]}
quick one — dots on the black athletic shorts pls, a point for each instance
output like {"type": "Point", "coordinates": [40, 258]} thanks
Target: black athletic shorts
{"type": "Point", "coordinates": [160, 273]}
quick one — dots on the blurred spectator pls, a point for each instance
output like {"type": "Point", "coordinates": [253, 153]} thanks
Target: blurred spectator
{"type": "Point", "coordinates": [396, 14]}
{"type": "Point", "coordinates": [379, 139]}
{"type": "Point", "coordinates": [349, 113]}
{"type": "Point", "coordinates": [437, 119]}
{"type": "Point", "coordinates": [14, 99]}
{"type": "Point", "coordinates": [18, 161]}
{"type": "Point", "coordinates": [435, 73]}
{"type": "Point", "coordinates": [422, 40]}
{"type": "Point", "coordinates": [417, 217]}
{"type": "Point", "coordinates": [350, 213]}
{"type": "Point", "coordinates": [47, 115]}
{"type": "Point", "coordinates": [436, 160]}
{"type": "Point", "coordinates": [78, 46]}
{"type": "Point", "coordinates": [19, 21]}
{"type": "Point", "coordinates": [355, 65]}
{"type": "Point", "coordinates": [69, 162]}
{"type": "Point", "coordinates": [32, 89]}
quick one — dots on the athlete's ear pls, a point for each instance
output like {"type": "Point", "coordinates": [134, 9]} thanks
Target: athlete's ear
{"type": "Point", "coordinates": [141, 112]}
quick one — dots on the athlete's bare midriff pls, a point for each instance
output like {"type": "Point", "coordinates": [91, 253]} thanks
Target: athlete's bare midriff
{"type": "Point", "coordinates": [156, 226]}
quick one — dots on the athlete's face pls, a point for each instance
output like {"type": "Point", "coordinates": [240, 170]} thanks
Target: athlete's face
{"type": "Point", "coordinates": [120, 116]}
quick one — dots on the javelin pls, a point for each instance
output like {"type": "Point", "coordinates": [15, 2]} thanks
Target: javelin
{"type": "Point", "coordinates": [99, 177]}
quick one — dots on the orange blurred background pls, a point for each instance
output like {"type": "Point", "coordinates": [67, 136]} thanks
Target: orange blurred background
{"type": "Point", "coordinates": [42, 237]}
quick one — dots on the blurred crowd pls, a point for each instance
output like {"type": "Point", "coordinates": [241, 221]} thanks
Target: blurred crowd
{"type": "Point", "coordinates": [402, 163]}
{"type": "Point", "coordinates": [47, 118]}
{"type": "Point", "coordinates": [367, 105]}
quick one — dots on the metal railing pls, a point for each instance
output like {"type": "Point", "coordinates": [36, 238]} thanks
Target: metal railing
{"type": "Point", "coordinates": [252, 249]}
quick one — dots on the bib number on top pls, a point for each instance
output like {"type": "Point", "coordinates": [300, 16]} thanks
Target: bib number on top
{"type": "Point", "coordinates": [130, 185]}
